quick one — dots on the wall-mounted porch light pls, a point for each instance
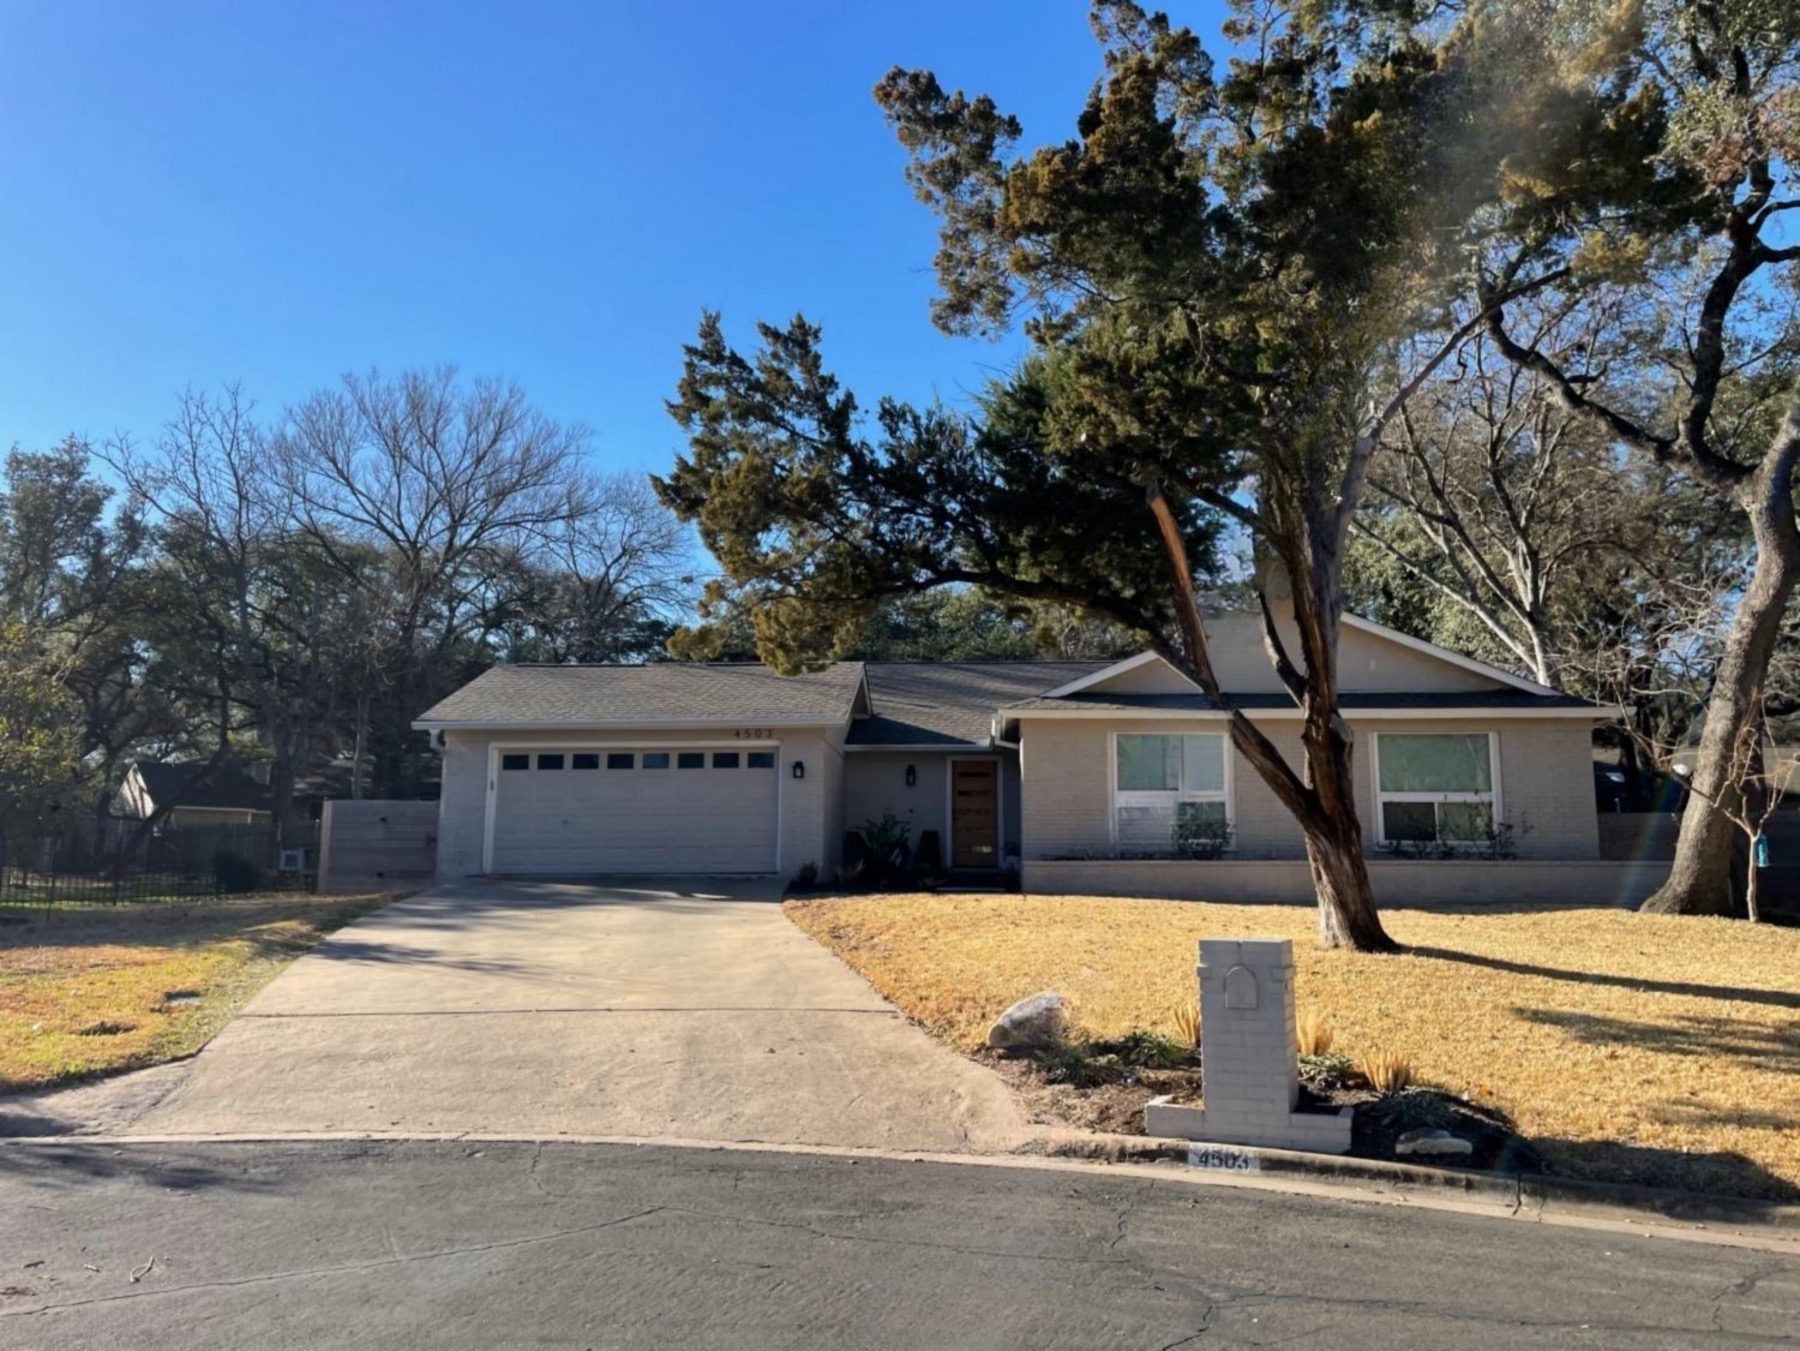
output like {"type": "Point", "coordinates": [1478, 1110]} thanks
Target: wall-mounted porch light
{"type": "Point", "coordinates": [799, 769]}
{"type": "Point", "coordinates": [912, 775]}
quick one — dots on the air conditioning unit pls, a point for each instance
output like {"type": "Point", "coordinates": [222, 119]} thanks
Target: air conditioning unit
{"type": "Point", "coordinates": [292, 861]}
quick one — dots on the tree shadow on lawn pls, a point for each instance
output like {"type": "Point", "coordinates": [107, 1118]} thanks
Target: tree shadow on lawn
{"type": "Point", "coordinates": [1681, 1184]}
{"type": "Point", "coordinates": [1783, 999]}
{"type": "Point", "coordinates": [1740, 1041]}
{"type": "Point", "coordinates": [1762, 1046]}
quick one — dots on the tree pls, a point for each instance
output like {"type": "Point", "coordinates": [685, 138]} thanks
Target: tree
{"type": "Point", "coordinates": [40, 753]}
{"type": "Point", "coordinates": [1504, 507]}
{"type": "Point", "coordinates": [1234, 284]}
{"type": "Point", "coordinates": [1662, 159]}
{"type": "Point", "coordinates": [72, 571]}
{"type": "Point", "coordinates": [475, 503]}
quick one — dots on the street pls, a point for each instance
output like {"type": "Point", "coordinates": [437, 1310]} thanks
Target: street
{"type": "Point", "coordinates": [576, 1245]}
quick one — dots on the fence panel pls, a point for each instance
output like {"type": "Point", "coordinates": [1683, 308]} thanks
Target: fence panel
{"type": "Point", "coordinates": [121, 861]}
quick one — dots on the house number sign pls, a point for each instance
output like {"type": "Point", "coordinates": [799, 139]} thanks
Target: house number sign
{"type": "Point", "coordinates": [753, 734]}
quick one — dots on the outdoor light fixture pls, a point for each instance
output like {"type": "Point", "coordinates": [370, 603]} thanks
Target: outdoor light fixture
{"type": "Point", "coordinates": [799, 769]}
{"type": "Point", "coordinates": [912, 775]}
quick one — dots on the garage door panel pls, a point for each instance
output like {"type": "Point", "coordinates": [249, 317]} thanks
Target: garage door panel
{"type": "Point", "coordinates": [622, 820]}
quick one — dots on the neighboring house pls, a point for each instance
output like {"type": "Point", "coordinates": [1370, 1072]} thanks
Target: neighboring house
{"type": "Point", "coordinates": [1110, 778]}
{"type": "Point", "coordinates": [223, 797]}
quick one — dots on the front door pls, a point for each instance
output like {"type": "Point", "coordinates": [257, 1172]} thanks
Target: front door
{"type": "Point", "coordinates": [975, 813]}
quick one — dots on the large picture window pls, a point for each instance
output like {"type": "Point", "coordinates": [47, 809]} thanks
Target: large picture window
{"type": "Point", "coordinates": [1435, 788]}
{"type": "Point", "coordinates": [1171, 794]}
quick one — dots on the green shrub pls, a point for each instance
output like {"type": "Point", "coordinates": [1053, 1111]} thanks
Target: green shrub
{"type": "Point", "coordinates": [1145, 1049]}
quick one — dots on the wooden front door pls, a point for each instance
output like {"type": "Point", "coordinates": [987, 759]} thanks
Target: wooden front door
{"type": "Point", "coordinates": [975, 813]}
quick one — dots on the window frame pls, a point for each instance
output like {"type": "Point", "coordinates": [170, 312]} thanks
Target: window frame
{"type": "Point", "coordinates": [1380, 797]}
{"type": "Point", "coordinates": [1139, 797]}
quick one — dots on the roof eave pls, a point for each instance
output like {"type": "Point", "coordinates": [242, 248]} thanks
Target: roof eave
{"type": "Point", "coordinates": [756, 720]}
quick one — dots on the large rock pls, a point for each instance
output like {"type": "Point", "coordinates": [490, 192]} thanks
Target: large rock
{"type": "Point", "coordinates": [1436, 1143]}
{"type": "Point", "coordinates": [1034, 1021]}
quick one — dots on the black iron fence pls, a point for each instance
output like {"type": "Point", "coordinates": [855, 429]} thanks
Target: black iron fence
{"type": "Point", "coordinates": [122, 861]}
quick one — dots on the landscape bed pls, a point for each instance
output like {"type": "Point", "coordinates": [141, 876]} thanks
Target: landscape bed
{"type": "Point", "coordinates": [89, 990]}
{"type": "Point", "coordinates": [1659, 1050]}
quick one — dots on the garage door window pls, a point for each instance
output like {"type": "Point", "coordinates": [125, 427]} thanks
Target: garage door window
{"type": "Point", "coordinates": [761, 760]}
{"type": "Point", "coordinates": [550, 761]}
{"type": "Point", "coordinates": [725, 759]}
{"type": "Point", "coordinates": [579, 760]}
{"type": "Point", "coordinates": [656, 759]}
{"type": "Point", "coordinates": [510, 762]}
{"type": "Point", "coordinates": [621, 760]}
{"type": "Point", "coordinates": [691, 760]}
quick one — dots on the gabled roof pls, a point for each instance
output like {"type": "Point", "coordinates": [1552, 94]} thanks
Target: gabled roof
{"type": "Point", "coordinates": [656, 694]}
{"type": "Point", "coordinates": [189, 784]}
{"type": "Point", "coordinates": [951, 703]}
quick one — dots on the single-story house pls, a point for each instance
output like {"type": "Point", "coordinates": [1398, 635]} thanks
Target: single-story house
{"type": "Point", "coordinates": [196, 795]}
{"type": "Point", "coordinates": [1089, 777]}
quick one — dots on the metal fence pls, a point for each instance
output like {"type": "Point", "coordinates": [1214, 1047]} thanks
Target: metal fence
{"type": "Point", "coordinates": [118, 862]}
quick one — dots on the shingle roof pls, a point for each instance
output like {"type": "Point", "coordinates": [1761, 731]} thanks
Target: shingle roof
{"type": "Point", "coordinates": [660, 692]}
{"type": "Point", "coordinates": [939, 703]}
{"type": "Point", "coordinates": [190, 785]}
{"type": "Point", "coordinates": [1100, 702]}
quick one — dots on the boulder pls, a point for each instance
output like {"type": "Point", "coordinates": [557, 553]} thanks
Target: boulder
{"type": "Point", "coordinates": [1034, 1021]}
{"type": "Point", "coordinates": [1437, 1143]}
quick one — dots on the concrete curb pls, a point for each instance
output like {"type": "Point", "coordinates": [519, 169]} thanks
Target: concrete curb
{"type": "Point", "coordinates": [1535, 1192]}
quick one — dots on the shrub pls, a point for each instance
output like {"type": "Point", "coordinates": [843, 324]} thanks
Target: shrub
{"type": "Point", "coordinates": [1078, 1066]}
{"type": "Point", "coordinates": [234, 873]}
{"type": "Point", "coordinates": [1145, 1049]}
{"type": "Point", "coordinates": [1199, 834]}
{"type": "Point", "coordinates": [887, 841]}
{"type": "Point", "coordinates": [1326, 1073]}
{"type": "Point", "coordinates": [1313, 1035]}
{"type": "Point", "coordinates": [807, 878]}
{"type": "Point", "coordinates": [1186, 1017]}
{"type": "Point", "coordinates": [850, 875]}
{"type": "Point", "coordinates": [1386, 1071]}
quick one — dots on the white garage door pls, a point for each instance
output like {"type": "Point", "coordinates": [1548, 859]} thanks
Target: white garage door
{"type": "Point", "coordinates": [645, 809]}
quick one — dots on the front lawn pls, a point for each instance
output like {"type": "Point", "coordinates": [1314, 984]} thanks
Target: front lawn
{"type": "Point", "coordinates": [88, 990]}
{"type": "Point", "coordinates": [1626, 1047]}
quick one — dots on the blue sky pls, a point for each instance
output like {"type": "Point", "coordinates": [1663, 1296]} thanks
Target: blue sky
{"type": "Point", "coordinates": [200, 193]}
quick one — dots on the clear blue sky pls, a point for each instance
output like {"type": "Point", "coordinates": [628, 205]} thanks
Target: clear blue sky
{"type": "Point", "coordinates": [199, 193]}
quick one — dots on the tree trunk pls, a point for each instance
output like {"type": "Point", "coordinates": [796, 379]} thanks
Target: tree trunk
{"type": "Point", "coordinates": [1700, 881]}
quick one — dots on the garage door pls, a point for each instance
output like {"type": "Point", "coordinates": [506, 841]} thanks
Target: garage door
{"type": "Point", "coordinates": [646, 809]}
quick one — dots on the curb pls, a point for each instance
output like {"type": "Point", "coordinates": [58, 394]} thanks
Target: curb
{"type": "Point", "coordinates": [1536, 1192]}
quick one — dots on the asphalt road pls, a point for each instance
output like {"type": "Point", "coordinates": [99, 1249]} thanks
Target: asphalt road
{"type": "Point", "coordinates": [568, 1245]}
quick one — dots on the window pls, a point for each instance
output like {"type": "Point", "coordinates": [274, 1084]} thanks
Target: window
{"type": "Point", "coordinates": [690, 760]}
{"type": "Point", "coordinates": [760, 759]}
{"type": "Point", "coordinates": [621, 760]}
{"type": "Point", "coordinates": [1435, 788]}
{"type": "Point", "coordinates": [554, 761]}
{"type": "Point", "coordinates": [725, 759]}
{"type": "Point", "coordinates": [656, 759]}
{"type": "Point", "coordinates": [1172, 794]}
{"type": "Point", "coordinates": [584, 760]}
{"type": "Point", "coordinates": [510, 762]}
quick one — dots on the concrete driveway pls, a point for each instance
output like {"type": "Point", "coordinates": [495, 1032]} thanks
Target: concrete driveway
{"type": "Point", "coordinates": [650, 1009]}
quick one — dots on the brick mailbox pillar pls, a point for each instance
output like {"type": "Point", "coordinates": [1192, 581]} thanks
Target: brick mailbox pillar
{"type": "Point", "coordinates": [1247, 1056]}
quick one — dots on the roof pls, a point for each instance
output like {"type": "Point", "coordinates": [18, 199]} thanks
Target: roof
{"type": "Point", "coordinates": [190, 784]}
{"type": "Point", "coordinates": [655, 693]}
{"type": "Point", "coordinates": [1399, 701]}
{"type": "Point", "coordinates": [951, 702]}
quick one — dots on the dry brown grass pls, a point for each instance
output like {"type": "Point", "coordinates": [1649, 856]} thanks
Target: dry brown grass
{"type": "Point", "coordinates": [1629, 1047]}
{"type": "Point", "coordinates": [84, 991]}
